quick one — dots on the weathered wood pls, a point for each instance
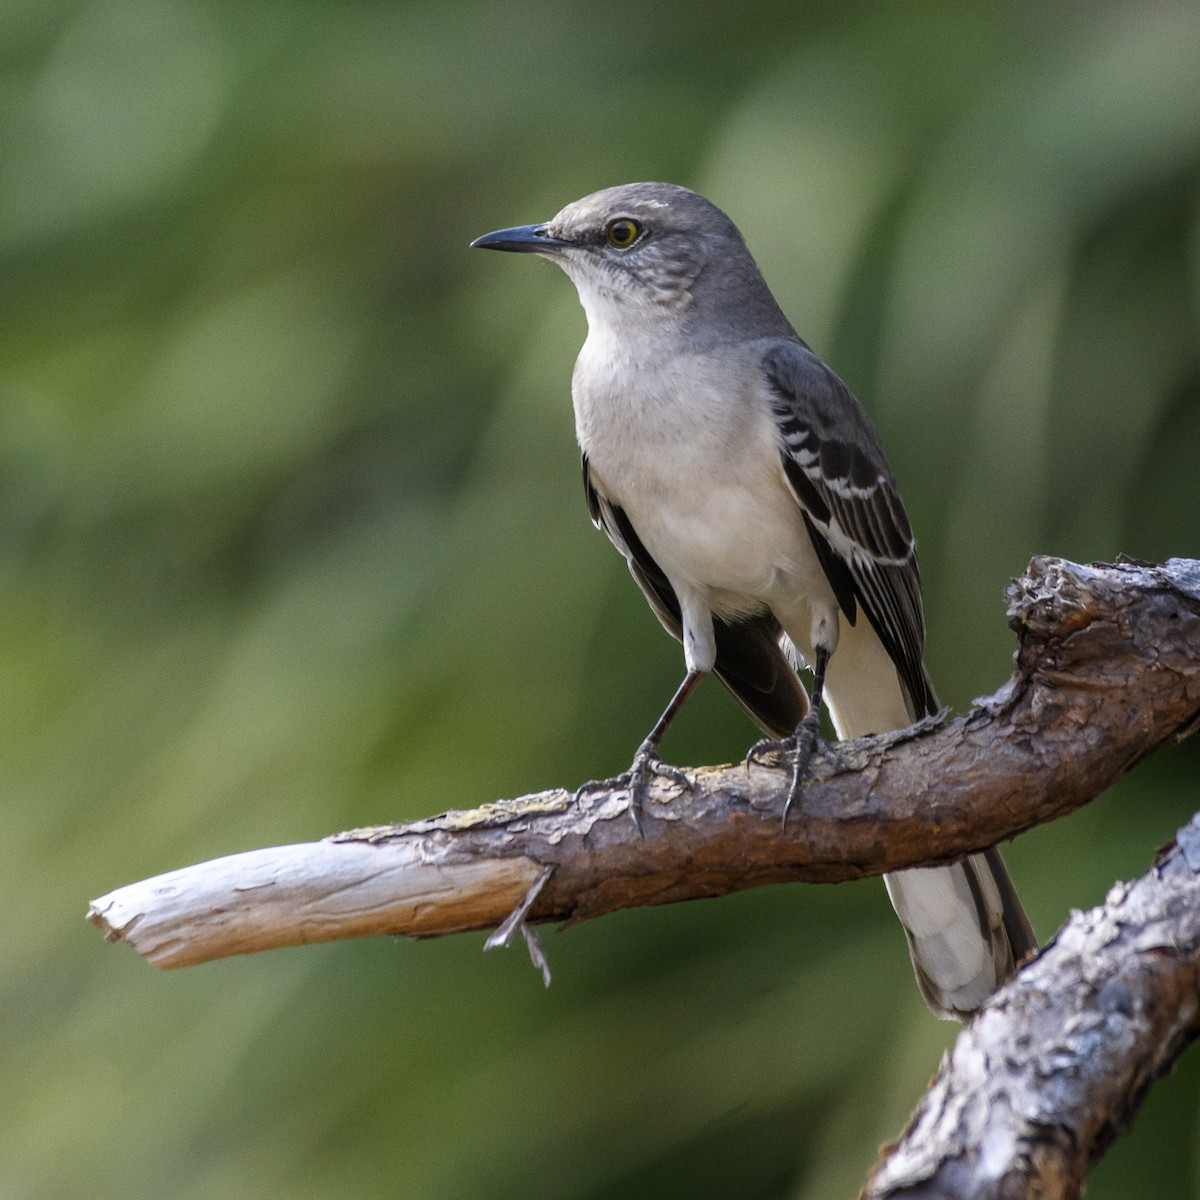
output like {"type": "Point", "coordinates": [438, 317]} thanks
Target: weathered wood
{"type": "Point", "coordinates": [1056, 1065]}
{"type": "Point", "coordinates": [1107, 671]}
{"type": "Point", "coordinates": [312, 892]}
{"type": "Point", "coordinates": [1051, 1069]}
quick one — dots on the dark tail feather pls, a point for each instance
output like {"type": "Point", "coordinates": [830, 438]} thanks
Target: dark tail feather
{"type": "Point", "coordinates": [1021, 937]}
{"type": "Point", "coordinates": [751, 664]}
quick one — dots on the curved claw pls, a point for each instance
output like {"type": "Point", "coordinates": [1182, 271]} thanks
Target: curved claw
{"type": "Point", "coordinates": [646, 764]}
{"type": "Point", "coordinates": [636, 781]}
{"type": "Point", "coordinates": [765, 746]}
{"type": "Point", "coordinates": [805, 742]}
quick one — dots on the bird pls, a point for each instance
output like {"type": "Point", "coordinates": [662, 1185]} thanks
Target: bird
{"type": "Point", "coordinates": [752, 500]}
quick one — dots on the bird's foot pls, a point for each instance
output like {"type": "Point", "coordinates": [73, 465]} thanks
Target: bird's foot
{"type": "Point", "coordinates": [804, 742]}
{"type": "Point", "coordinates": [770, 748]}
{"type": "Point", "coordinates": [798, 746]}
{"type": "Point", "coordinates": [645, 766]}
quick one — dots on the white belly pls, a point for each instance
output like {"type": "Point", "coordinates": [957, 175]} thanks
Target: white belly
{"type": "Point", "coordinates": [697, 469]}
{"type": "Point", "coordinates": [740, 541]}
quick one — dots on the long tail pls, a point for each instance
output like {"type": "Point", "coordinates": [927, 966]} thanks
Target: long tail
{"type": "Point", "coordinates": [965, 927]}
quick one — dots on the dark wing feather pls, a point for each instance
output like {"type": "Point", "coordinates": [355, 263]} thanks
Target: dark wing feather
{"type": "Point", "coordinates": [852, 508]}
{"type": "Point", "coordinates": [750, 662]}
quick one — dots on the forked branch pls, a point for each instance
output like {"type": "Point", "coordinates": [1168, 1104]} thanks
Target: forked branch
{"type": "Point", "coordinates": [1107, 671]}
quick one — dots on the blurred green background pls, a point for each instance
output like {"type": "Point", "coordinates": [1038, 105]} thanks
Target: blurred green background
{"type": "Point", "coordinates": [293, 540]}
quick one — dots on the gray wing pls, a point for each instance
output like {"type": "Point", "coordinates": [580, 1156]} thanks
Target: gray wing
{"type": "Point", "coordinates": [750, 662]}
{"type": "Point", "coordinates": [852, 508]}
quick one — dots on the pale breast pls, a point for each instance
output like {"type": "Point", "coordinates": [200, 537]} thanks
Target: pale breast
{"type": "Point", "coordinates": [690, 452]}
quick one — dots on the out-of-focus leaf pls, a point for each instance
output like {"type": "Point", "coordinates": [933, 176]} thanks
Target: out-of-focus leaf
{"type": "Point", "coordinates": [292, 538]}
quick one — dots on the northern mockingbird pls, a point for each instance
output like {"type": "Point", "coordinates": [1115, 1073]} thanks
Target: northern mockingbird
{"type": "Point", "coordinates": [751, 498]}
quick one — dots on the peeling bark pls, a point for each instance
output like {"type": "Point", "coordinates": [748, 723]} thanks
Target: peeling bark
{"type": "Point", "coordinates": [1107, 671]}
{"type": "Point", "coordinates": [1057, 1063]}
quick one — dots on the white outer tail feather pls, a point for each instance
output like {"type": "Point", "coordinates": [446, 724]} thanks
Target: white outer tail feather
{"type": "Point", "coordinates": [953, 917]}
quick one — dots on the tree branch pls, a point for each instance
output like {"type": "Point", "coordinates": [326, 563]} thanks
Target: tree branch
{"type": "Point", "coordinates": [1107, 671]}
{"type": "Point", "coordinates": [1057, 1063]}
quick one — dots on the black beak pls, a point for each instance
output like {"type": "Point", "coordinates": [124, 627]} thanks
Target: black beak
{"type": "Point", "coordinates": [527, 238]}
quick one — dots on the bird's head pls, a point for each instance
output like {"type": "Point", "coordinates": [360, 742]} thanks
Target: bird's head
{"type": "Point", "coordinates": [633, 246]}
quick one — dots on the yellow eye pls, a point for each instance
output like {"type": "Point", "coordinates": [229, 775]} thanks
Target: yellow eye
{"type": "Point", "coordinates": [622, 232]}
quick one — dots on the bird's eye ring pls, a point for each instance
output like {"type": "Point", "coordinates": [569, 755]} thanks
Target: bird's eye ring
{"type": "Point", "coordinates": [622, 232]}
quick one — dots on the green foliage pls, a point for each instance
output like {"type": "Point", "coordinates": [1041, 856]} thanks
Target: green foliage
{"type": "Point", "coordinates": [294, 540]}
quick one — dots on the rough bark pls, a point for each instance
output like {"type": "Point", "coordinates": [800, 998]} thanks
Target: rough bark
{"type": "Point", "coordinates": [1107, 671]}
{"type": "Point", "coordinates": [1055, 1067]}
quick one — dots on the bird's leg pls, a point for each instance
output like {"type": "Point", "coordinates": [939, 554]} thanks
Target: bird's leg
{"type": "Point", "coordinates": [804, 740]}
{"type": "Point", "coordinates": [646, 762]}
